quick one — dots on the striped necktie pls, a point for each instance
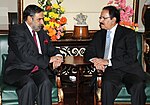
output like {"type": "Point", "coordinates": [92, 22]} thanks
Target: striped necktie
{"type": "Point", "coordinates": [107, 45]}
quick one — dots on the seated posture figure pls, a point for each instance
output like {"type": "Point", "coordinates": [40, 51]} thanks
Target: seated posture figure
{"type": "Point", "coordinates": [30, 52]}
{"type": "Point", "coordinates": [113, 50]}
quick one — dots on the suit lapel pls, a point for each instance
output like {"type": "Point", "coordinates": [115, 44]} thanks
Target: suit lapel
{"type": "Point", "coordinates": [103, 41]}
{"type": "Point", "coordinates": [100, 42]}
{"type": "Point", "coordinates": [118, 35]}
{"type": "Point", "coordinates": [30, 36]}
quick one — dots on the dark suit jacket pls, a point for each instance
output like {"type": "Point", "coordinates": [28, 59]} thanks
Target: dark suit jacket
{"type": "Point", "coordinates": [124, 50]}
{"type": "Point", "coordinates": [23, 53]}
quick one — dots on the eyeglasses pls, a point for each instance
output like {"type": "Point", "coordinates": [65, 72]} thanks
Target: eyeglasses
{"type": "Point", "coordinates": [101, 17]}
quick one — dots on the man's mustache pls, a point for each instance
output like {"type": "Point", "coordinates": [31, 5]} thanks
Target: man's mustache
{"type": "Point", "coordinates": [101, 23]}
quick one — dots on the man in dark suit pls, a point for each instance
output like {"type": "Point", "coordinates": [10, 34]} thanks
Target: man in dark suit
{"type": "Point", "coordinates": [118, 61]}
{"type": "Point", "coordinates": [30, 52]}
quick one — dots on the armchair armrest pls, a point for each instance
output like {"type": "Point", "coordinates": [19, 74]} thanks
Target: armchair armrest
{"type": "Point", "coordinates": [96, 82]}
{"type": "Point", "coordinates": [59, 86]}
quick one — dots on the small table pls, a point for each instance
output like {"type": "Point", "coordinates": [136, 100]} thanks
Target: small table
{"type": "Point", "coordinates": [78, 63]}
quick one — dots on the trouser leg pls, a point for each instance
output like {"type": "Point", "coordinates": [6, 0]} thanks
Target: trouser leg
{"type": "Point", "coordinates": [135, 87]}
{"type": "Point", "coordinates": [31, 87]}
{"type": "Point", "coordinates": [45, 88]}
{"type": "Point", "coordinates": [111, 85]}
{"type": "Point", "coordinates": [138, 96]}
{"type": "Point", "coordinates": [28, 93]}
{"type": "Point", "coordinates": [109, 93]}
{"type": "Point", "coordinates": [44, 96]}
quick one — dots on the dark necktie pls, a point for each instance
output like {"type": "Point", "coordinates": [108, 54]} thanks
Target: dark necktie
{"type": "Point", "coordinates": [36, 68]}
{"type": "Point", "coordinates": [107, 46]}
{"type": "Point", "coordinates": [34, 37]}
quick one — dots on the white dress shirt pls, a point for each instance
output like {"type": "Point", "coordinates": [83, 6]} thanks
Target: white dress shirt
{"type": "Point", "coordinates": [37, 38]}
{"type": "Point", "coordinates": [38, 41]}
{"type": "Point", "coordinates": [111, 43]}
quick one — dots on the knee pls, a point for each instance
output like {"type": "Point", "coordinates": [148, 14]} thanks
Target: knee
{"type": "Point", "coordinates": [138, 87]}
{"type": "Point", "coordinates": [106, 84]}
{"type": "Point", "coordinates": [31, 85]}
{"type": "Point", "coordinates": [47, 83]}
{"type": "Point", "coordinates": [30, 88]}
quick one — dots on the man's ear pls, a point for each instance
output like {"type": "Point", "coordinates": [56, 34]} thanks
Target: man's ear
{"type": "Point", "coordinates": [114, 20]}
{"type": "Point", "coordinates": [29, 18]}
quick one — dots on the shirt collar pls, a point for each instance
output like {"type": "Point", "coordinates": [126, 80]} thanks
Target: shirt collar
{"type": "Point", "coordinates": [113, 29]}
{"type": "Point", "coordinates": [30, 29]}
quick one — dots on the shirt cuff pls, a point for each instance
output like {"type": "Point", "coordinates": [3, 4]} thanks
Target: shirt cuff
{"type": "Point", "coordinates": [91, 60]}
{"type": "Point", "coordinates": [59, 55]}
{"type": "Point", "coordinates": [109, 63]}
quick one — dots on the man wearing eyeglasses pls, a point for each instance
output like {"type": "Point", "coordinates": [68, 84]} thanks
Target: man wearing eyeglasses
{"type": "Point", "coordinates": [113, 50]}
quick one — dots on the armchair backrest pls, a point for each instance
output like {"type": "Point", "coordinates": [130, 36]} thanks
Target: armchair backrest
{"type": "Point", "coordinates": [3, 49]}
{"type": "Point", "coordinates": [139, 40]}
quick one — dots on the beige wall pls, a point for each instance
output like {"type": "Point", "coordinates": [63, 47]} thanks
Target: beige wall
{"type": "Point", "coordinates": [5, 7]}
{"type": "Point", "coordinates": [91, 8]}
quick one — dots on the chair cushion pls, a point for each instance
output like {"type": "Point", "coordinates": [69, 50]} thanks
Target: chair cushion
{"type": "Point", "coordinates": [139, 42]}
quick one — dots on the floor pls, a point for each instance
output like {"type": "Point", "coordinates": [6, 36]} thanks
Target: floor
{"type": "Point", "coordinates": [100, 104]}
{"type": "Point", "coordinates": [86, 96]}
{"type": "Point", "coordinates": [121, 104]}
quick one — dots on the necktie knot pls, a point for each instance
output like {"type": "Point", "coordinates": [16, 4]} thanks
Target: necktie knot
{"type": "Point", "coordinates": [33, 32]}
{"type": "Point", "coordinates": [108, 34]}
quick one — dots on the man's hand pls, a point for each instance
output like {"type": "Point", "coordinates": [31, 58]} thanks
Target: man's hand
{"type": "Point", "coordinates": [56, 60]}
{"type": "Point", "coordinates": [99, 63]}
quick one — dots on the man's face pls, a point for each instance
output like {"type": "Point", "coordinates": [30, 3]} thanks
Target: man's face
{"type": "Point", "coordinates": [105, 21]}
{"type": "Point", "coordinates": [37, 21]}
